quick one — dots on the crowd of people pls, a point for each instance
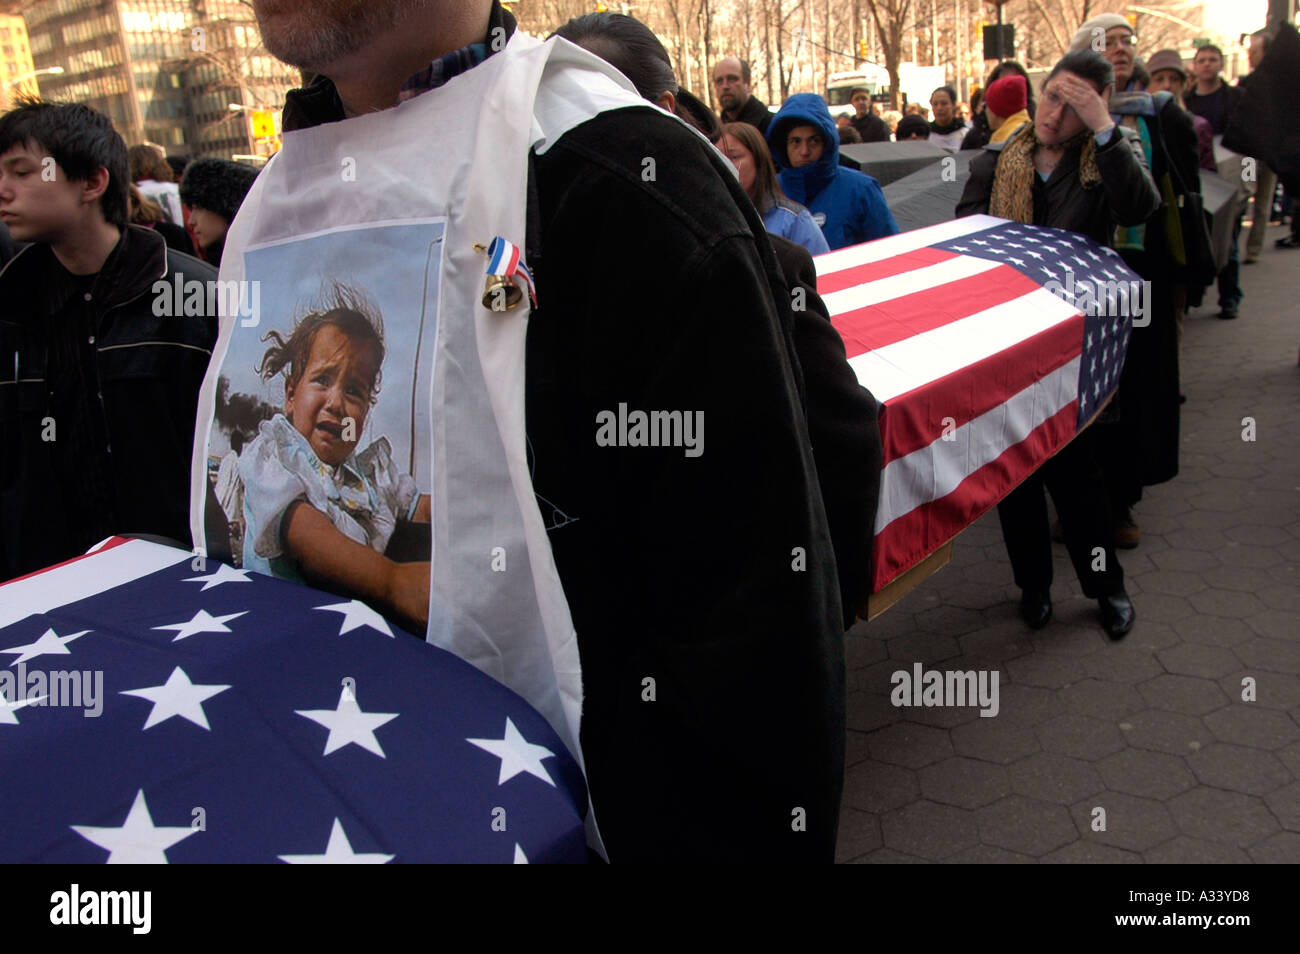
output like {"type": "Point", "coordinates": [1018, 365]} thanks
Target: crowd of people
{"type": "Point", "coordinates": [730, 579]}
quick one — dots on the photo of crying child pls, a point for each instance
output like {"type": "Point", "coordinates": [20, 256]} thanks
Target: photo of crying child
{"type": "Point", "coordinates": [317, 509]}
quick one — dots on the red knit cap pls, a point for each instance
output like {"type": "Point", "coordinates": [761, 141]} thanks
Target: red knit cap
{"type": "Point", "coordinates": [1006, 96]}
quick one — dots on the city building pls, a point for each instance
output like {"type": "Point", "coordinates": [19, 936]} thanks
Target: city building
{"type": "Point", "coordinates": [17, 72]}
{"type": "Point", "coordinates": [191, 76]}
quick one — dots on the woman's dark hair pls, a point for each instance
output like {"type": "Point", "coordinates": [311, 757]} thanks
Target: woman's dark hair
{"type": "Point", "coordinates": [952, 93]}
{"type": "Point", "coordinates": [81, 141]}
{"type": "Point", "coordinates": [1087, 64]}
{"type": "Point", "coordinates": [910, 125]}
{"type": "Point", "coordinates": [149, 163]}
{"type": "Point", "coordinates": [631, 47]}
{"type": "Point", "coordinates": [976, 100]}
{"type": "Point", "coordinates": [346, 308]}
{"type": "Point", "coordinates": [767, 188]}
{"type": "Point", "coordinates": [1013, 68]}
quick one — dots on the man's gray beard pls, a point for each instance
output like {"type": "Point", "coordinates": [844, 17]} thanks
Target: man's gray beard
{"type": "Point", "coordinates": [326, 41]}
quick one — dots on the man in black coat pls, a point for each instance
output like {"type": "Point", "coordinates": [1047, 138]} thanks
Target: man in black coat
{"type": "Point", "coordinates": [869, 126]}
{"type": "Point", "coordinates": [715, 574]}
{"type": "Point", "coordinates": [100, 363]}
{"type": "Point", "coordinates": [1073, 168]}
{"type": "Point", "coordinates": [731, 83]}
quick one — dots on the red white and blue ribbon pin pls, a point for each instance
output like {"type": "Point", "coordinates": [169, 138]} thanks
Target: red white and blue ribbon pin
{"type": "Point", "coordinates": [505, 262]}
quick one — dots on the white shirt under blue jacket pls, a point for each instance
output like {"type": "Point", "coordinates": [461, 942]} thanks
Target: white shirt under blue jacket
{"type": "Point", "coordinates": [796, 223]}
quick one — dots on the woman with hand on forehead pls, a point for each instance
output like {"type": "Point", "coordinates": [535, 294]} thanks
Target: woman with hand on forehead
{"type": "Point", "coordinates": [1071, 168]}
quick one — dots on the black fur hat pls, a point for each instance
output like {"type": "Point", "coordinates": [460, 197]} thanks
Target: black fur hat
{"type": "Point", "coordinates": [217, 185]}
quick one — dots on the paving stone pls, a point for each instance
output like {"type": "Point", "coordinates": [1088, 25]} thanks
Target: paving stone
{"type": "Point", "coordinates": [972, 596]}
{"type": "Point", "coordinates": [950, 620]}
{"type": "Point", "coordinates": [1195, 851]}
{"type": "Point", "coordinates": [1070, 639]}
{"type": "Point", "coordinates": [1285, 805]}
{"type": "Point", "coordinates": [929, 830]}
{"type": "Point", "coordinates": [1230, 604]}
{"type": "Point", "coordinates": [877, 787]}
{"type": "Point", "coordinates": [1028, 706]}
{"type": "Point", "coordinates": [1245, 723]}
{"type": "Point", "coordinates": [887, 856]}
{"type": "Point", "coordinates": [1080, 736]}
{"type": "Point", "coordinates": [993, 740]}
{"type": "Point", "coordinates": [910, 745]}
{"type": "Point", "coordinates": [1026, 825]}
{"type": "Point", "coordinates": [989, 855]}
{"type": "Point", "coordinates": [1147, 774]}
{"type": "Point", "coordinates": [926, 647]}
{"type": "Point", "coordinates": [865, 711]}
{"type": "Point", "coordinates": [1171, 582]}
{"type": "Point", "coordinates": [1227, 817]}
{"type": "Point", "coordinates": [1245, 579]}
{"type": "Point", "coordinates": [1239, 769]}
{"type": "Point", "coordinates": [1050, 672]}
{"type": "Point", "coordinates": [1279, 597]}
{"type": "Point", "coordinates": [1104, 700]}
{"type": "Point", "coordinates": [1132, 823]}
{"type": "Point", "coordinates": [856, 747]}
{"type": "Point", "coordinates": [1273, 690]}
{"type": "Point", "coordinates": [995, 643]}
{"type": "Point", "coordinates": [1084, 852]}
{"type": "Point", "coordinates": [1151, 637]}
{"type": "Point", "coordinates": [1162, 731]}
{"type": "Point", "coordinates": [1190, 695]}
{"type": "Point", "coordinates": [1122, 663]}
{"type": "Point", "coordinates": [1189, 561]}
{"type": "Point", "coordinates": [1162, 608]}
{"type": "Point", "coordinates": [965, 783]}
{"type": "Point", "coordinates": [1280, 849]}
{"type": "Point", "coordinates": [1190, 659]}
{"type": "Point", "coordinates": [862, 651]}
{"type": "Point", "coordinates": [1214, 630]}
{"type": "Point", "coordinates": [1268, 653]}
{"type": "Point", "coordinates": [859, 833]}
{"type": "Point", "coordinates": [1054, 778]}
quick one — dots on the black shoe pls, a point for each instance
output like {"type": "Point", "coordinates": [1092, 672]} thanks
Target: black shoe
{"type": "Point", "coordinates": [1228, 312]}
{"type": "Point", "coordinates": [1036, 607]}
{"type": "Point", "coordinates": [1117, 614]}
{"type": "Point", "coordinates": [1287, 241]}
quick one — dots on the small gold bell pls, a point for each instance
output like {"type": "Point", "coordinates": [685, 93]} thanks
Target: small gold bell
{"type": "Point", "coordinates": [500, 293]}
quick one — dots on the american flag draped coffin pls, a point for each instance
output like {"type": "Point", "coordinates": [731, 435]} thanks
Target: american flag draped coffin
{"type": "Point", "coordinates": [989, 345]}
{"type": "Point", "coordinates": [155, 711]}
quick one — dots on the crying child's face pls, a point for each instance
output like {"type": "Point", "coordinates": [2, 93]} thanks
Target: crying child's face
{"type": "Point", "coordinates": [329, 401]}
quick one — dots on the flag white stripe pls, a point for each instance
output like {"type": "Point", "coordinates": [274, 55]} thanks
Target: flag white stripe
{"type": "Point", "coordinates": [937, 469]}
{"type": "Point", "coordinates": [884, 248]}
{"type": "Point", "coordinates": [916, 361]}
{"type": "Point", "coordinates": [906, 283]}
{"type": "Point", "coordinates": [85, 577]}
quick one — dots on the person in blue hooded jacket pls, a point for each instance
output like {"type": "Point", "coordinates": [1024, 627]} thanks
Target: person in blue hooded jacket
{"type": "Point", "coordinates": [848, 205]}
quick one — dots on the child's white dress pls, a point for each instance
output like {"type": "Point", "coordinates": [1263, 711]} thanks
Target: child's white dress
{"type": "Point", "coordinates": [364, 497]}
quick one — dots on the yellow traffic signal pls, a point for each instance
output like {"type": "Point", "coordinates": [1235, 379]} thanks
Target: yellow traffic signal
{"type": "Point", "coordinates": [1132, 19]}
{"type": "Point", "coordinates": [862, 49]}
{"type": "Point", "coordinates": [263, 123]}
{"type": "Point", "coordinates": [601, 7]}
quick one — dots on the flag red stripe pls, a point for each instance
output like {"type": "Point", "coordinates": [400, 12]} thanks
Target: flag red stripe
{"type": "Point", "coordinates": [886, 268]}
{"type": "Point", "coordinates": [916, 419]}
{"type": "Point", "coordinates": [875, 326]}
{"type": "Point", "coordinates": [921, 531]}
{"type": "Point", "coordinates": [109, 544]}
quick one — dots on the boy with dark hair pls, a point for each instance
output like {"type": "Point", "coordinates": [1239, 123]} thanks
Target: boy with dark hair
{"type": "Point", "coordinates": [97, 393]}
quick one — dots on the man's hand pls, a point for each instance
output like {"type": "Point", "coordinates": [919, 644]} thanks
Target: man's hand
{"type": "Point", "coordinates": [1080, 95]}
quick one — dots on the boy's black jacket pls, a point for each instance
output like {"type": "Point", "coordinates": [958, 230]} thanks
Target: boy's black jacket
{"type": "Point", "coordinates": [141, 387]}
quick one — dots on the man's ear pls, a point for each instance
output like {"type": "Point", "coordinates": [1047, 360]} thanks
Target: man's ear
{"type": "Point", "coordinates": [94, 186]}
{"type": "Point", "coordinates": [668, 101]}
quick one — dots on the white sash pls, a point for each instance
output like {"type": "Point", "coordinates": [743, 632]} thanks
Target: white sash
{"type": "Point", "coordinates": [445, 170]}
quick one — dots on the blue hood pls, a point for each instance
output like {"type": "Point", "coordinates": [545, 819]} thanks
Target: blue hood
{"type": "Point", "coordinates": [804, 109]}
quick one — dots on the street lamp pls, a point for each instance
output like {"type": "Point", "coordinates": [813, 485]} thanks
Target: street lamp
{"type": "Point", "coordinates": [47, 71]}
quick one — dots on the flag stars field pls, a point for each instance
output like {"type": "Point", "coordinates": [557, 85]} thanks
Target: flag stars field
{"type": "Point", "coordinates": [203, 622]}
{"type": "Point", "coordinates": [517, 755]}
{"type": "Point", "coordinates": [178, 696]}
{"type": "Point", "coordinates": [50, 644]}
{"type": "Point", "coordinates": [338, 851]}
{"type": "Point", "coordinates": [348, 725]}
{"type": "Point", "coordinates": [357, 614]}
{"type": "Point", "coordinates": [138, 841]}
{"type": "Point", "coordinates": [222, 574]}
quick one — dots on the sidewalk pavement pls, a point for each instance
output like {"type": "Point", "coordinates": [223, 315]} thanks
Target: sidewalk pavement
{"type": "Point", "coordinates": [1153, 729]}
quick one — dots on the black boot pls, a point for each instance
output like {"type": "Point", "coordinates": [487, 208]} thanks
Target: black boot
{"type": "Point", "coordinates": [1117, 614]}
{"type": "Point", "coordinates": [1036, 607]}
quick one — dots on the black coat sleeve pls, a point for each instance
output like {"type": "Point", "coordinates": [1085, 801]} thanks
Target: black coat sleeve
{"type": "Point", "coordinates": [979, 185]}
{"type": "Point", "coordinates": [702, 588]}
{"type": "Point", "coordinates": [843, 421]}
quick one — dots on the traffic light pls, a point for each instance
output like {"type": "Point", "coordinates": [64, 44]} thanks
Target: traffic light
{"type": "Point", "coordinates": [862, 49]}
{"type": "Point", "coordinates": [263, 123]}
{"type": "Point", "coordinates": [601, 7]}
{"type": "Point", "coordinates": [1132, 19]}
